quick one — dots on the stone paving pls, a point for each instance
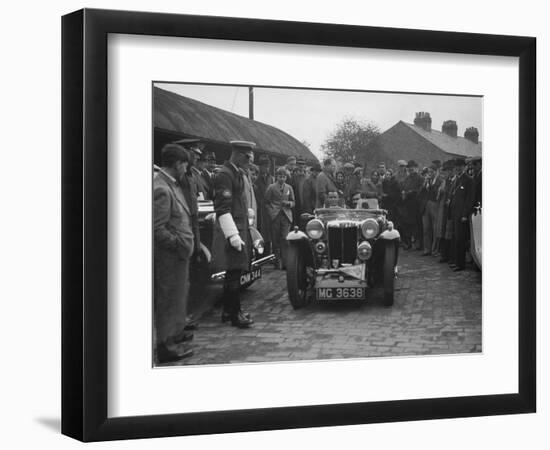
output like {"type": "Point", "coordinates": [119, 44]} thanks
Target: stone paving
{"type": "Point", "coordinates": [436, 311]}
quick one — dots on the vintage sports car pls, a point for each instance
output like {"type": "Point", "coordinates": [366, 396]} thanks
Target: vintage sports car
{"type": "Point", "coordinates": [339, 254]}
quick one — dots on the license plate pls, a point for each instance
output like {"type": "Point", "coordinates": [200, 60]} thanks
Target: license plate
{"type": "Point", "coordinates": [249, 277]}
{"type": "Point", "coordinates": [340, 293]}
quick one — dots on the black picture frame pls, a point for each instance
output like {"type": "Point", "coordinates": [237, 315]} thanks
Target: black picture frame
{"type": "Point", "coordinates": [84, 224]}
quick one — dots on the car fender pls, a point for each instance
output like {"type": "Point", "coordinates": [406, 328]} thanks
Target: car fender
{"type": "Point", "coordinates": [296, 235]}
{"type": "Point", "coordinates": [389, 235]}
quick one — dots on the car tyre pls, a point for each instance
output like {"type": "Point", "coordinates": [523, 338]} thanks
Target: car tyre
{"type": "Point", "coordinates": [296, 277]}
{"type": "Point", "coordinates": [389, 272]}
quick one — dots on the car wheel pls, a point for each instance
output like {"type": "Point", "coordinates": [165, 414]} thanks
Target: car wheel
{"type": "Point", "coordinates": [296, 278]}
{"type": "Point", "coordinates": [389, 272]}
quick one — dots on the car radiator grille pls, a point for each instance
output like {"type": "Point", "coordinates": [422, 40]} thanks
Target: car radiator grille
{"type": "Point", "coordinates": [342, 244]}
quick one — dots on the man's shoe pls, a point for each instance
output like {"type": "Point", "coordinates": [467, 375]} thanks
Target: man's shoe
{"type": "Point", "coordinates": [164, 354]}
{"type": "Point", "coordinates": [226, 317]}
{"type": "Point", "coordinates": [183, 336]}
{"type": "Point", "coordinates": [241, 321]}
{"type": "Point", "coordinates": [457, 269]}
{"type": "Point", "coordinates": [192, 325]}
{"type": "Point", "coordinates": [444, 260]}
{"type": "Point", "coordinates": [426, 254]}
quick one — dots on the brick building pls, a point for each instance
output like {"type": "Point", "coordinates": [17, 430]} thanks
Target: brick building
{"type": "Point", "coordinates": [419, 141]}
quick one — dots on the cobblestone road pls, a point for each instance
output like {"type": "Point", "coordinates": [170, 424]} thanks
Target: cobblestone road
{"type": "Point", "coordinates": [436, 311]}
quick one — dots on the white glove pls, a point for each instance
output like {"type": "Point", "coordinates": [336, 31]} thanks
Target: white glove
{"type": "Point", "coordinates": [236, 242]}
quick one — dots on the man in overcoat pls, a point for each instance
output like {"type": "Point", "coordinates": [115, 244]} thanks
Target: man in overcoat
{"type": "Point", "coordinates": [232, 245]}
{"type": "Point", "coordinates": [428, 208]}
{"type": "Point", "coordinates": [173, 247]}
{"type": "Point", "coordinates": [462, 200]}
{"type": "Point", "coordinates": [411, 214]}
{"type": "Point", "coordinates": [264, 180]}
{"type": "Point", "coordinates": [326, 182]}
{"type": "Point", "coordinates": [310, 190]}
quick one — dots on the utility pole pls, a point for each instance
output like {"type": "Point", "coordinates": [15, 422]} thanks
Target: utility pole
{"type": "Point", "coordinates": [251, 102]}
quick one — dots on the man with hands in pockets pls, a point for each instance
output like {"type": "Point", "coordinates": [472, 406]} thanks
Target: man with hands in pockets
{"type": "Point", "coordinates": [232, 246]}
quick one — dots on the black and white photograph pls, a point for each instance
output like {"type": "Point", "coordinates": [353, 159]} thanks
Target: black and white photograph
{"type": "Point", "coordinates": [301, 224]}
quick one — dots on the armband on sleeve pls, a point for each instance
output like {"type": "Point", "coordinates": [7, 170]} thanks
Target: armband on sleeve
{"type": "Point", "coordinates": [227, 224]}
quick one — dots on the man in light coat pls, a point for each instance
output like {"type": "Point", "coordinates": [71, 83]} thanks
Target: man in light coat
{"type": "Point", "coordinates": [279, 201]}
{"type": "Point", "coordinates": [173, 247]}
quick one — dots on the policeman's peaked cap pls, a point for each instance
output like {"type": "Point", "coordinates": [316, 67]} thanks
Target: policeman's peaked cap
{"type": "Point", "coordinates": [243, 146]}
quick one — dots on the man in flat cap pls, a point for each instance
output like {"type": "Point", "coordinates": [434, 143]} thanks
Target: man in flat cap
{"type": "Point", "coordinates": [231, 242]}
{"type": "Point", "coordinates": [173, 247]}
{"type": "Point", "coordinates": [401, 173]}
{"type": "Point", "coordinates": [462, 200]}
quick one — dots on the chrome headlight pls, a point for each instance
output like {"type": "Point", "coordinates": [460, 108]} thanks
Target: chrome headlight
{"type": "Point", "coordinates": [315, 229]}
{"type": "Point", "coordinates": [364, 251]}
{"type": "Point", "coordinates": [370, 228]}
{"type": "Point", "coordinates": [259, 246]}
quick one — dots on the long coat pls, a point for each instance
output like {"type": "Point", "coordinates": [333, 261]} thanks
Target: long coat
{"type": "Point", "coordinates": [310, 195]}
{"type": "Point", "coordinates": [274, 198]}
{"type": "Point", "coordinates": [411, 186]}
{"type": "Point", "coordinates": [462, 197]}
{"type": "Point", "coordinates": [173, 246]}
{"type": "Point", "coordinates": [263, 221]}
{"type": "Point", "coordinates": [229, 197]}
{"type": "Point", "coordinates": [325, 184]}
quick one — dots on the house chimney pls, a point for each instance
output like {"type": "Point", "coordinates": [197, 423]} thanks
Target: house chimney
{"type": "Point", "coordinates": [449, 128]}
{"type": "Point", "coordinates": [472, 134]}
{"type": "Point", "coordinates": [423, 120]}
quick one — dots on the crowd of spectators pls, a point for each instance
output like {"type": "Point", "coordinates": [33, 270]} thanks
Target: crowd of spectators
{"type": "Point", "coordinates": [430, 206]}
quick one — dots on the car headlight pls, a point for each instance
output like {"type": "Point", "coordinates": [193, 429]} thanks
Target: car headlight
{"type": "Point", "coordinates": [315, 229]}
{"type": "Point", "coordinates": [370, 228]}
{"type": "Point", "coordinates": [364, 251]}
{"type": "Point", "coordinates": [259, 246]}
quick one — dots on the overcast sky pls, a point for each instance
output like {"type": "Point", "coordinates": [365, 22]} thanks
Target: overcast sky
{"type": "Point", "coordinates": [311, 115]}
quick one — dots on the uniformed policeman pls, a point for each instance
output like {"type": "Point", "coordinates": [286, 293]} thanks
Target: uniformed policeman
{"type": "Point", "coordinates": [232, 246]}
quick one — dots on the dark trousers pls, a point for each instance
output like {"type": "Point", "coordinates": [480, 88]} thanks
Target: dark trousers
{"type": "Point", "coordinates": [459, 243]}
{"type": "Point", "coordinates": [280, 227]}
{"type": "Point", "coordinates": [428, 225]}
{"type": "Point", "coordinates": [444, 249]}
{"type": "Point", "coordinates": [171, 278]}
{"type": "Point", "coordinates": [232, 292]}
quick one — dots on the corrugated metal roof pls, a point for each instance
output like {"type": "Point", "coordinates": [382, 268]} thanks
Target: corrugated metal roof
{"type": "Point", "coordinates": [459, 146]}
{"type": "Point", "coordinates": [175, 112]}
